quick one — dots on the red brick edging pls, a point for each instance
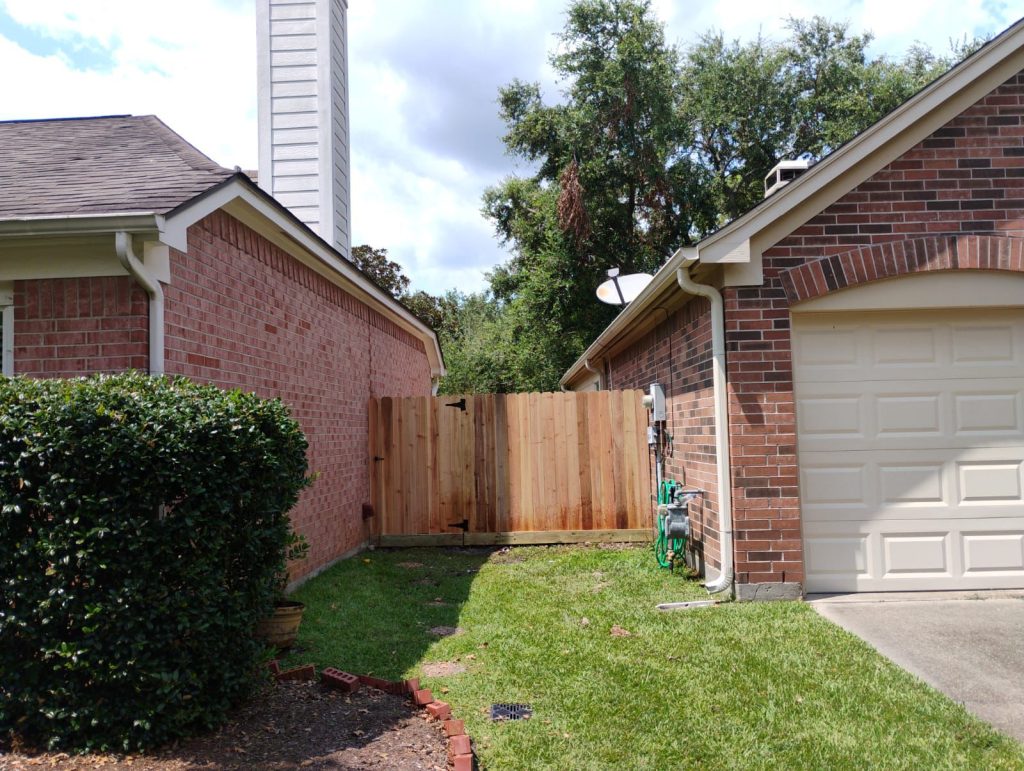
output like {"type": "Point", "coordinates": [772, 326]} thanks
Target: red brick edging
{"type": "Point", "coordinates": [460, 746]}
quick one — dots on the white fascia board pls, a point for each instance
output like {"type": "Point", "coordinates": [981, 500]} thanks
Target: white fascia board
{"type": "Point", "coordinates": [873, 149]}
{"type": "Point", "coordinates": [83, 224]}
{"type": "Point", "coordinates": [253, 209]}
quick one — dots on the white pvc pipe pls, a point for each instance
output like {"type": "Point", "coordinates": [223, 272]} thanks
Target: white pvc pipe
{"type": "Point", "coordinates": [131, 263]}
{"type": "Point", "coordinates": [686, 283]}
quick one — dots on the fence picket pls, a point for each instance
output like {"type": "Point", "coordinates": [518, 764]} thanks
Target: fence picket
{"type": "Point", "coordinates": [509, 463]}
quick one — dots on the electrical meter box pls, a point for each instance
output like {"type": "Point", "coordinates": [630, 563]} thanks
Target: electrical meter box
{"type": "Point", "coordinates": [657, 394]}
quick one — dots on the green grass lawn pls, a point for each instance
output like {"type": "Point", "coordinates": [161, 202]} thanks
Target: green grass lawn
{"type": "Point", "coordinates": [768, 685]}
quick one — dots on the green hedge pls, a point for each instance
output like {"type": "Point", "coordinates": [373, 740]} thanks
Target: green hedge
{"type": "Point", "coordinates": [142, 523]}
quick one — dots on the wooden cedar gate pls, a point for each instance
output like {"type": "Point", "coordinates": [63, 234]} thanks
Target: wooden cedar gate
{"type": "Point", "coordinates": [513, 468]}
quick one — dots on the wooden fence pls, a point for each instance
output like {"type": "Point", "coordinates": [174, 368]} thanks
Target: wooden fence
{"type": "Point", "coordinates": [539, 467]}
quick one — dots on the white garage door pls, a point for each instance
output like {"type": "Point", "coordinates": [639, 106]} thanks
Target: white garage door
{"type": "Point", "coordinates": [911, 448]}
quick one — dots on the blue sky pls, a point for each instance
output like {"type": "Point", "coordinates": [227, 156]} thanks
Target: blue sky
{"type": "Point", "coordinates": [424, 76]}
{"type": "Point", "coordinates": [81, 53]}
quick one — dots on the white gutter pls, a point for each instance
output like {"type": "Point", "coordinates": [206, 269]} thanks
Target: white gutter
{"type": "Point", "coordinates": [82, 224]}
{"type": "Point", "coordinates": [131, 263]}
{"type": "Point", "coordinates": [686, 283]}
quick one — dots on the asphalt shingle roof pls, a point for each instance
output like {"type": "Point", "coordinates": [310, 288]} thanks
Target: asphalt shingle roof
{"type": "Point", "coordinates": [119, 163]}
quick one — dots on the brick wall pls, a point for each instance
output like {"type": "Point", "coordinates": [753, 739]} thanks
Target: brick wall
{"type": "Point", "coordinates": [968, 177]}
{"type": "Point", "coordinates": [762, 428]}
{"type": "Point", "coordinates": [925, 210]}
{"type": "Point", "coordinates": [953, 202]}
{"type": "Point", "coordinates": [242, 313]}
{"type": "Point", "coordinates": [677, 354]}
{"type": "Point", "coordinates": [67, 327]}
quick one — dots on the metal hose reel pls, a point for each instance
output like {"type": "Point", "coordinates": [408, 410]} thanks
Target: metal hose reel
{"type": "Point", "coordinates": [673, 523]}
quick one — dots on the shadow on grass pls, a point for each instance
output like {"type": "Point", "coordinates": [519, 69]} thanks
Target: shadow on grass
{"type": "Point", "coordinates": [373, 614]}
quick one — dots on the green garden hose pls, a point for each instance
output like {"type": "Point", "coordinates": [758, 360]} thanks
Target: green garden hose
{"type": "Point", "coordinates": [665, 549]}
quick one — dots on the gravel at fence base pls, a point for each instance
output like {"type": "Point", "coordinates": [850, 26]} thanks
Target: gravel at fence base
{"type": "Point", "coordinates": [289, 726]}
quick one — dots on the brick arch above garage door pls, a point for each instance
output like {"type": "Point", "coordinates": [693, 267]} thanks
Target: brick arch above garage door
{"type": "Point", "coordinates": [900, 258]}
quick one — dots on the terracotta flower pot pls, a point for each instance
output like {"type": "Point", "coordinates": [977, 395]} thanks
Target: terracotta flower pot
{"type": "Point", "coordinates": [282, 627]}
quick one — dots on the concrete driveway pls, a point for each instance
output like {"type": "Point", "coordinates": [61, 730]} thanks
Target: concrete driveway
{"type": "Point", "coordinates": [969, 645]}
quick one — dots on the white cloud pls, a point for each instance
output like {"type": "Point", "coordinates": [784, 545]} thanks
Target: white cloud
{"type": "Point", "coordinates": [199, 77]}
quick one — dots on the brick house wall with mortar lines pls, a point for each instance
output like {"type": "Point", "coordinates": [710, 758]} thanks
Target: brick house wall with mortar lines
{"type": "Point", "coordinates": [70, 326]}
{"type": "Point", "coordinates": [677, 354]}
{"type": "Point", "coordinates": [955, 201]}
{"type": "Point", "coordinates": [965, 180]}
{"type": "Point", "coordinates": [240, 312]}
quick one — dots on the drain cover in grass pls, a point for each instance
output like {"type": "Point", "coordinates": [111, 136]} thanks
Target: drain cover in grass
{"type": "Point", "coordinates": [511, 711]}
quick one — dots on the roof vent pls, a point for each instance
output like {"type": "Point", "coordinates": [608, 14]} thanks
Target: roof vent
{"type": "Point", "coordinates": [783, 173]}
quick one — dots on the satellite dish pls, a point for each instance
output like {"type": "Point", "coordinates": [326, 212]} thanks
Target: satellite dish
{"type": "Point", "coordinates": [622, 290]}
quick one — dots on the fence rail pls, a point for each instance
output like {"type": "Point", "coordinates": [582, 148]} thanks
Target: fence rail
{"type": "Point", "coordinates": [510, 463]}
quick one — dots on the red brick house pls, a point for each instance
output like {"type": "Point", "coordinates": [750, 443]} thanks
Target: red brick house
{"type": "Point", "coordinates": [864, 429]}
{"type": "Point", "coordinates": [124, 247]}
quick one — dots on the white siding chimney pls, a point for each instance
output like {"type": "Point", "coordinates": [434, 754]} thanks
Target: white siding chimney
{"type": "Point", "coordinates": [302, 52]}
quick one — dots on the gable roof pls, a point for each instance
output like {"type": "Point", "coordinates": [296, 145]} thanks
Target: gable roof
{"type": "Point", "coordinates": [115, 163]}
{"type": "Point", "coordinates": [88, 176]}
{"type": "Point", "coordinates": [740, 243]}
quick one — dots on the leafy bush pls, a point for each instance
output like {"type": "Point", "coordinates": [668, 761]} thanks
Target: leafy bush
{"type": "Point", "coordinates": [142, 524]}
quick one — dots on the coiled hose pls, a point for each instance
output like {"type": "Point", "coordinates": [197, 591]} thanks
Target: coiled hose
{"type": "Point", "coordinates": [665, 548]}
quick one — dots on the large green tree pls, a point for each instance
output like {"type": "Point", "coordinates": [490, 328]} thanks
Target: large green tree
{"type": "Point", "coordinates": [650, 149]}
{"type": "Point", "coordinates": [611, 187]}
{"type": "Point", "coordinates": [381, 270]}
{"type": "Point", "coordinates": [753, 104]}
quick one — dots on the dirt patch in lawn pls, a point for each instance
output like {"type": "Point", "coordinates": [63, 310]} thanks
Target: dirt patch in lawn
{"type": "Point", "coordinates": [290, 726]}
{"type": "Point", "coordinates": [446, 631]}
{"type": "Point", "coordinates": [443, 668]}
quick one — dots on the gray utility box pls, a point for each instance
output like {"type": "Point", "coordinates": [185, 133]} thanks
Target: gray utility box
{"type": "Point", "coordinates": [676, 520]}
{"type": "Point", "coordinates": [658, 411]}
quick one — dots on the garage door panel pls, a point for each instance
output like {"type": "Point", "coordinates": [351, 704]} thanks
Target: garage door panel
{"type": "Point", "coordinates": [823, 348]}
{"type": "Point", "coordinates": [911, 446]}
{"type": "Point", "coordinates": [832, 416]}
{"type": "Point", "coordinates": [887, 346]}
{"type": "Point", "coordinates": [986, 344]}
{"type": "Point", "coordinates": [987, 413]}
{"type": "Point", "coordinates": [916, 485]}
{"type": "Point", "coordinates": [838, 556]}
{"type": "Point", "coordinates": [998, 553]}
{"type": "Point", "coordinates": [907, 555]}
{"type": "Point", "coordinates": [836, 486]}
{"type": "Point", "coordinates": [908, 415]}
{"type": "Point", "coordinates": [913, 414]}
{"type": "Point", "coordinates": [988, 482]}
{"type": "Point", "coordinates": [847, 485]}
{"type": "Point", "coordinates": [901, 346]}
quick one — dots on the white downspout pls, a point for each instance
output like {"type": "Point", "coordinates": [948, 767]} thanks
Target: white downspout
{"type": "Point", "coordinates": [687, 284]}
{"type": "Point", "coordinates": [131, 263]}
{"type": "Point", "coordinates": [600, 377]}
